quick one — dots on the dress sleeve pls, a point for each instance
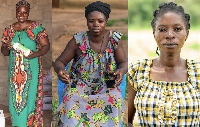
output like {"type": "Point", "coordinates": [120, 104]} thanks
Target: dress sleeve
{"type": "Point", "coordinates": [7, 35]}
{"type": "Point", "coordinates": [115, 37]}
{"type": "Point", "coordinates": [79, 37]}
{"type": "Point", "coordinates": [40, 32]}
{"type": "Point", "coordinates": [132, 75]}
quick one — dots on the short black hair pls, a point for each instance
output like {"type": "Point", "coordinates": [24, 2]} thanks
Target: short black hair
{"type": "Point", "coordinates": [170, 7]}
{"type": "Point", "coordinates": [98, 6]}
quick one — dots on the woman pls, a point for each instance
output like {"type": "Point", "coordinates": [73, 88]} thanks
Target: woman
{"type": "Point", "coordinates": [95, 54]}
{"type": "Point", "coordinates": [25, 73]}
{"type": "Point", "coordinates": [165, 90]}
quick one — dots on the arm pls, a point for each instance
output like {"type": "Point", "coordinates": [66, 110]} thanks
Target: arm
{"type": "Point", "coordinates": [5, 48]}
{"type": "Point", "coordinates": [122, 62]}
{"type": "Point", "coordinates": [131, 108]}
{"type": "Point", "coordinates": [45, 46]}
{"type": "Point", "coordinates": [6, 43]}
{"type": "Point", "coordinates": [66, 56]}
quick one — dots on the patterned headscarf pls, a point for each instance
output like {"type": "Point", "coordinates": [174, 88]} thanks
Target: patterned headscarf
{"type": "Point", "coordinates": [98, 6]}
{"type": "Point", "coordinates": [23, 3]}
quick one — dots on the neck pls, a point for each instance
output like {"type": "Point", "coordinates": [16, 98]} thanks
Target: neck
{"type": "Point", "coordinates": [96, 39]}
{"type": "Point", "coordinates": [170, 60]}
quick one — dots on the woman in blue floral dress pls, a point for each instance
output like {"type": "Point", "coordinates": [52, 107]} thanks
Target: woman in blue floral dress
{"type": "Point", "coordinates": [92, 96]}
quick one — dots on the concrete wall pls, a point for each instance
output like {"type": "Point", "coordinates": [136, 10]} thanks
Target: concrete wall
{"type": "Point", "coordinates": [41, 11]}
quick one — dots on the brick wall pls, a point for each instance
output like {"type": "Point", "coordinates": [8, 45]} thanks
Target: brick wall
{"type": "Point", "coordinates": [41, 11]}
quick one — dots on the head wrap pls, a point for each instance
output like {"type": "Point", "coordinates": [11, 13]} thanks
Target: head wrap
{"type": "Point", "coordinates": [23, 3]}
{"type": "Point", "coordinates": [98, 6]}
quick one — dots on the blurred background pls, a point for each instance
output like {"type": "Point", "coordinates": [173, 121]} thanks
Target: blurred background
{"type": "Point", "coordinates": [141, 43]}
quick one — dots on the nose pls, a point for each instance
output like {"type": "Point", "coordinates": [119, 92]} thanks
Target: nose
{"type": "Point", "coordinates": [170, 34]}
{"type": "Point", "coordinates": [96, 23]}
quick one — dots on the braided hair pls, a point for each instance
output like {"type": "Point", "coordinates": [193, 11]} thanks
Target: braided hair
{"type": "Point", "coordinates": [98, 6]}
{"type": "Point", "coordinates": [170, 7]}
{"type": "Point", "coordinates": [23, 3]}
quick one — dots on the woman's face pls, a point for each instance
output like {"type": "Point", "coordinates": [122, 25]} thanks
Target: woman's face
{"type": "Point", "coordinates": [22, 14]}
{"type": "Point", "coordinates": [170, 32]}
{"type": "Point", "coordinates": [96, 22]}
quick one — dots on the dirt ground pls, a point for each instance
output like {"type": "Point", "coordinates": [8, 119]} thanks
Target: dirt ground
{"type": "Point", "coordinates": [65, 22]}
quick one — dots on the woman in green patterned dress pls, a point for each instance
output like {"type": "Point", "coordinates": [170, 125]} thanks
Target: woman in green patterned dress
{"type": "Point", "coordinates": [24, 72]}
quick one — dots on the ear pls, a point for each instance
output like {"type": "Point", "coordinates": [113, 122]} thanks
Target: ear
{"type": "Point", "coordinates": [106, 22]}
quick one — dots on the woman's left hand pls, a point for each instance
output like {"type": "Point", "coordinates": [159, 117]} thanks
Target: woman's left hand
{"type": "Point", "coordinates": [31, 55]}
{"type": "Point", "coordinates": [119, 73]}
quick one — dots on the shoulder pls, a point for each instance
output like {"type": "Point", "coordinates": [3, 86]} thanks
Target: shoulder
{"type": "Point", "coordinates": [81, 33]}
{"type": "Point", "coordinates": [140, 64]}
{"type": "Point", "coordinates": [34, 25]}
{"type": "Point", "coordinates": [193, 65]}
{"type": "Point", "coordinates": [115, 35]}
{"type": "Point", "coordinates": [80, 37]}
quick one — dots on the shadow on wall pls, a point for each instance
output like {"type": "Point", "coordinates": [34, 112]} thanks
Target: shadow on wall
{"type": "Point", "coordinates": [117, 4]}
{"type": "Point", "coordinates": [56, 3]}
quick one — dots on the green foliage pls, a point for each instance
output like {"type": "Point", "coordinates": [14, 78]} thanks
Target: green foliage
{"type": "Point", "coordinates": [152, 54]}
{"type": "Point", "coordinates": [141, 12]}
{"type": "Point", "coordinates": [125, 20]}
{"type": "Point", "coordinates": [195, 46]}
{"type": "Point", "coordinates": [124, 37]}
{"type": "Point", "coordinates": [111, 22]}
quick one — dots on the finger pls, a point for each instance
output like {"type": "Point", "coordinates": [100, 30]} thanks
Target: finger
{"type": "Point", "coordinates": [117, 84]}
{"type": "Point", "coordinates": [119, 75]}
{"type": "Point", "coordinates": [64, 80]}
{"type": "Point", "coordinates": [9, 48]}
{"type": "Point", "coordinates": [116, 72]}
{"type": "Point", "coordinates": [63, 76]}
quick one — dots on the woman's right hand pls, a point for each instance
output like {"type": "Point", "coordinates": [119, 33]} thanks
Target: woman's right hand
{"type": "Point", "coordinates": [63, 76]}
{"type": "Point", "coordinates": [5, 48]}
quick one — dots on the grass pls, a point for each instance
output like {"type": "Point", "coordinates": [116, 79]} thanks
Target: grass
{"type": "Point", "coordinates": [114, 22]}
{"type": "Point", "coordinates": [111, 22]}
{"type": "Point", "coordinates": [125, 20]}
{"type": "Point", "coordinates": [152, 54]}
{"type": "Point", "coordinates": [124, 37]}
{"type": "Point", "coordinates": [194, 46]}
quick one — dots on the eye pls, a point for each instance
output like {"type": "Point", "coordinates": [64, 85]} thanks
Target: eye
{"type": "Point", "coordinates": [177, 29]}
{"type": "Point", "coordinates": [162, 29]}
{"type": "Point", "coordinates": [101, 21]}
{"type": "Point", "coordinates": [90, 21]}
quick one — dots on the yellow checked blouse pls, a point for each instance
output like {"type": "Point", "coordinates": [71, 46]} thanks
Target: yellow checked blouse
{"type": "Point", "coordinates": [163, 104]}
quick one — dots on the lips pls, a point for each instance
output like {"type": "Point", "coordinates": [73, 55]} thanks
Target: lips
{"type": "Point", "coordinates": [96, 30]}
{"type": "Point", "coordinates": [170, 44]}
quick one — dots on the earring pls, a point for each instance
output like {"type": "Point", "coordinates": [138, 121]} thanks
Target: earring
{"type": "Point", "coordinates": [157, 51]}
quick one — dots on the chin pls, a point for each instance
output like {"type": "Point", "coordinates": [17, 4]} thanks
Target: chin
{"type": "Point", "coordinates": [96, 33]}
